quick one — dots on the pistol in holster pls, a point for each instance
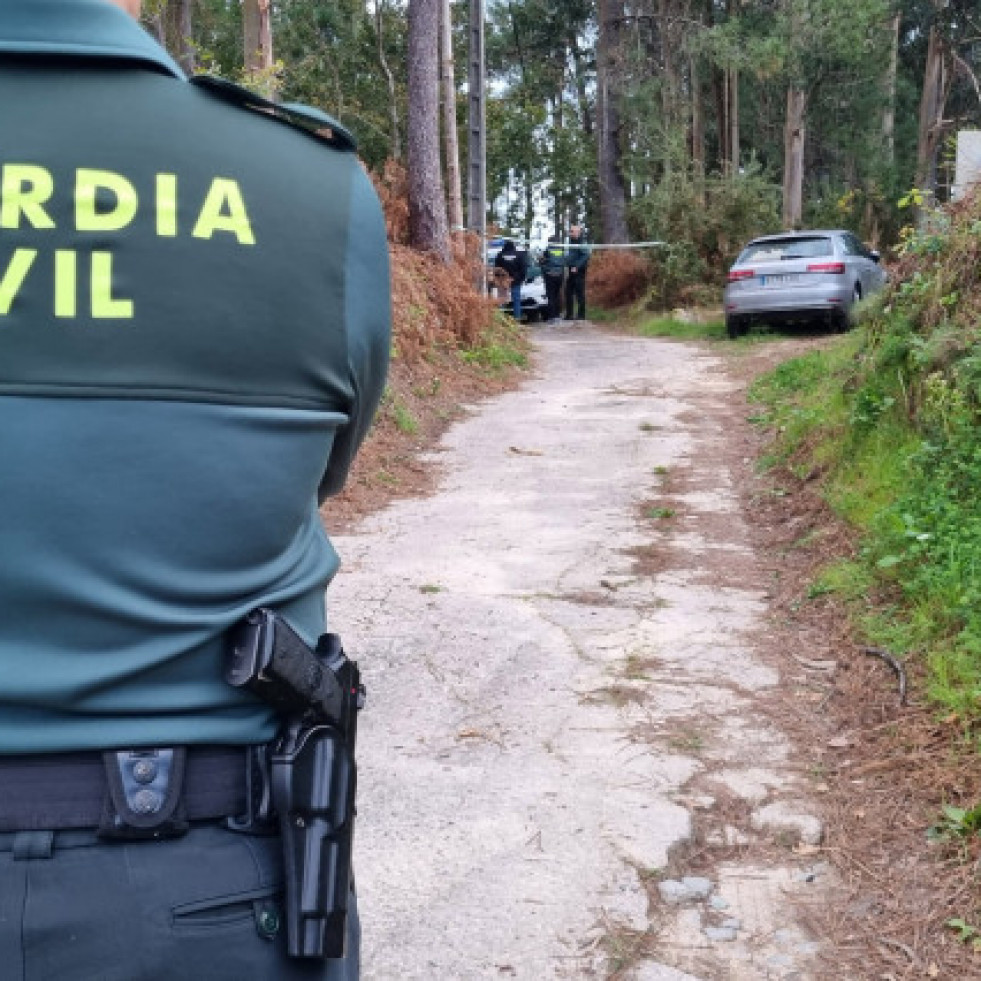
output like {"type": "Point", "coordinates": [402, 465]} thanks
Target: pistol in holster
{"type": "Point", "coordinates": [311, 768]}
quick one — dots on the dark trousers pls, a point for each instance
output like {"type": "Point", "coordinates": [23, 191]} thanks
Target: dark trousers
{"type": "Point", "coordinates": [575, 289]}
{"type": "Point", "coordinates": [553, 296]}
{"type": "Point", "coordinates": [206, 906]}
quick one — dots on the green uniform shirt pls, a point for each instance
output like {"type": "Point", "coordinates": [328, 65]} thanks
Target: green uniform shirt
{"type": "Point", "coordinates": [194, 333]}
{"type": "Point", "coordinates": [553, 260]}
{"type": "Point", "coordinates": [578, 255]}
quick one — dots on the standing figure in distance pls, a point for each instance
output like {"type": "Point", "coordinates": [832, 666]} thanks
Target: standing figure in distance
{"type": "Point", "coordinates": [577, 260]}
{"type": "Point", "coordinates": [553, 269]}
{"type": "Point", "coordinates": [515, 265]}
{"type": "Point", "coordinates": [193, 342]}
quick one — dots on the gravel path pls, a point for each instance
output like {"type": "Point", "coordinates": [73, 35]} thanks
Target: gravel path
{"type": "Point", "coordinates": [558, 649]}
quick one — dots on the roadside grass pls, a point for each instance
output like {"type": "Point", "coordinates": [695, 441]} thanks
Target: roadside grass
{"type": "Point", "coordinates": [711, 330]}
{"type": "Point", "coordinates": [500, 348]}
{"type": "Point", "coordinates": [400, 414]}
{"type": "Point", "coordinates": [889, 420]}
{"type": "Point", "coordinates": [698, 327]}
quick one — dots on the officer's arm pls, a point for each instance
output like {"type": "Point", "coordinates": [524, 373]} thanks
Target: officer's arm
{"type": "Point", "coordinates": [368, 316]}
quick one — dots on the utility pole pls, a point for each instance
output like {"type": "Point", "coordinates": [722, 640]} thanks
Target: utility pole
{"type": "Point", "coordinates": [477, 123]}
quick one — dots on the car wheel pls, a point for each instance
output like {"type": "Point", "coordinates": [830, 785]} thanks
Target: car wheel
{"type": "Point", "coordinates": [735, 325]}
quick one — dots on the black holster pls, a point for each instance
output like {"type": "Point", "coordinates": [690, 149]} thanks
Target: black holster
{"type": "Point", "coordinates": [312, 770]}
{"type": "Point", "coordinates": [313, 785]}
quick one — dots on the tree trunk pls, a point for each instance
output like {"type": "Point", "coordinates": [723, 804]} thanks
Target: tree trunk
{"type": "Point", "coordinates": [720, 84]}
{"type": "Point", "coordinates": [612, 193]}
{"type": "Point", "coordinates": [451, 149]}
{"type": "Point", "coordinates": [257, 29]}
{"type": "Point", "coordinates": [889, 93]}
{"type": "Point", "coordinates": [931, 114]}
{"type": "Point", "coordinates": [394, 139]}
{"type": "Point", "coordinates": [793, 166]}
{"type": "Point", "coordinates": [697, 121]}
{"type": "Point", "coordinates": [427, 206]}
{"type": "Point", "coordinates": [671, 50]}
{"type": "Point", "coordinates": [178, 30]}
{"type": "Point", "coordinates": [580, 82]}
{"type": "Point", "coordinates": [732, 112]}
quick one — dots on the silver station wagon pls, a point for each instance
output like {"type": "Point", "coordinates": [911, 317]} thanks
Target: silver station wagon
{"type": "Point", "coordinates": [811, 275]}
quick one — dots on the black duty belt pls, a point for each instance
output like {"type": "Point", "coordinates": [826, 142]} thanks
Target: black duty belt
{"type": "Point", "coordinates": [64, 791]}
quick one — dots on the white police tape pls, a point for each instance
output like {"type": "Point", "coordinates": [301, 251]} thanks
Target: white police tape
{"type": "Point", "coordinates": [523, 243]}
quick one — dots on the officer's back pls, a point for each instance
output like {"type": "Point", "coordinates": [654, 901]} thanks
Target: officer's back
{"type": "Point", "coordinates": [179, 358]}
{"type": "Point", "coordinates": [192, 345]}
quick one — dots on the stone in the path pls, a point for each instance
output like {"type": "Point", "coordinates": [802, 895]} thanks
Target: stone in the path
{"type": "Point", "coordinates": [779, 817]}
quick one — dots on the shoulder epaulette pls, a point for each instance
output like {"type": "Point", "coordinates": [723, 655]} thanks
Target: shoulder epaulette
{"type": "Point", "coordinates": [311, 120]}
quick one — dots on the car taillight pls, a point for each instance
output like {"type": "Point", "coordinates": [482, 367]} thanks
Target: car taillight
{"type": "Point", "coordinates": [836, 268]}
{"type": "Point", "coordinates": [736, 274]}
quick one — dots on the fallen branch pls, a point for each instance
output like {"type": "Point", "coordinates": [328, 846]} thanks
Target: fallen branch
{"type": "Point", "coordinates": [894, 664]}
{"type": "Point", "coordinates": [812, 665]}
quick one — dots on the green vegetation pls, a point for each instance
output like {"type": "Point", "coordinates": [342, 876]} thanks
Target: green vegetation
{"type": "Point", "coordinates": [502, 347]}
{"type": "Point", "coordinates": [713, 330]}
{"type": "Point", "coordinates": [400, 414]}
{"type": "Point", "coordinates": [956, 823]}
{"type": "Point", "coordinates": [890, 418]}
{"type": "Point", "coordinates": [966, 933]}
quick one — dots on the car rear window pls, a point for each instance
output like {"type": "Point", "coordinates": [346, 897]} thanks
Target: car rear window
{"type": "Point", "coordinates": [786, 248]}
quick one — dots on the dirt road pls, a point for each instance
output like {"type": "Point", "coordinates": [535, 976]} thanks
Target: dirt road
{"type": "Point", "coordinates": [564, 768]}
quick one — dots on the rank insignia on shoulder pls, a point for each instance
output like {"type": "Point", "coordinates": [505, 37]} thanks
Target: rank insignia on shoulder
{"type": "Point", "coordinates": [313, 121]}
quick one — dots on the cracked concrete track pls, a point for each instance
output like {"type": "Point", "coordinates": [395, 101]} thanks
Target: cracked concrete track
{"type": "Point", "coordinates": [558, 649]}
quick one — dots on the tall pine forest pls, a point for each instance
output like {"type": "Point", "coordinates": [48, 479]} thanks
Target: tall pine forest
{"type": "Point", "coordinates": [693, 122]}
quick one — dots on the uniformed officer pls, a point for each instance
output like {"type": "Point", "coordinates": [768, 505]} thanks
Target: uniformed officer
{"type": "Point", "coordinates": [553, 271]}
{"type": "Point", "coordinates": [514, 263]}
{"type": "Point", "coordinates": [577, 260]}
{"type": "Point", "coordinates": [192, 346]}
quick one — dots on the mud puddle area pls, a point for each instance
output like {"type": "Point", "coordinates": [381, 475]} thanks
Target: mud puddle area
{"type": "Point", "coordinates": [567, 769]}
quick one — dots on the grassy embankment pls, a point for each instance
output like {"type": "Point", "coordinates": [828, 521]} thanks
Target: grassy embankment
{"type": "Point", "coordinates": [889, 420]}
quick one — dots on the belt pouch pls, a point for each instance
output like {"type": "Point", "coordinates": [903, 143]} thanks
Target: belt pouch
{"type": "Point", "coordinates": [144, 798]}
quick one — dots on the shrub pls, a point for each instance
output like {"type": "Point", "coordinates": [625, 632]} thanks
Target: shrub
{"type": "Point", "coordinates": [618, 277]}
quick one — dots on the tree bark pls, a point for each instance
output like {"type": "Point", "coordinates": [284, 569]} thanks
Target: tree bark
{"type": "Point", "coordinates": [579, 82]}
{"type": "Point", "coordinates": [732, 114]}
{"type": "Point", "coordinates": [889, 93]}
{"type": "Point", "coordinates": [931, 114]}
{"type": "Point", "coordinates": [612, 192]}
{"type": "Point", "coordinates": [427, 206]}
{"type": "Point", "coordinates": [257, 30]}
{"type": "Point", "coordinates": [720, 85]}
{"type": "Point", "coordinates": [793, 166]}
{"type": "Point", "coordinates": [451, 148]}
{"type": "Point", "coordinates": [697, 121]}
{"type": "Point", "coordinates": [394, 139]}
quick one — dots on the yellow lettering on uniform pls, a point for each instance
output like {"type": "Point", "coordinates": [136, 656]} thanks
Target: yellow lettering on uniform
{"type": "Point", "coordinates": [167, 205]}
{"type": "Point", "coordinates": [17, 270]}
{"type": "Point", "coordinates": [23, 190]}
{"type": "Point", "coordinates": [88, 183]}
{"type": "Point", "coordinates": [213, 218]}
{"type": "Point", "coordinates": [104, 305]}
{"type": "Point", "coordinates": [66, 279]}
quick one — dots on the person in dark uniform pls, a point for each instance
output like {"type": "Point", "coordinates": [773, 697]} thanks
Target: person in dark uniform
{"type": "Point", "coordinates": [192, 347]}
{"type": "Point", "coordinates": [515, 266]}
{"type": "Point", "coordinates": [577, 260]}
{"type": "Point", "coordinates": [553, 270]}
